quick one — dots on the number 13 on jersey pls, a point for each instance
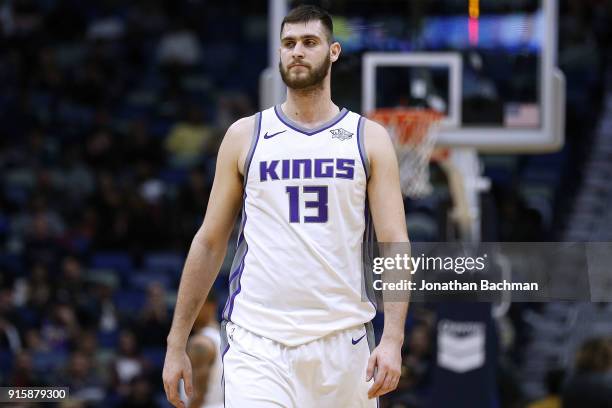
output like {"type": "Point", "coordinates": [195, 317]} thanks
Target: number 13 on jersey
{"type": "Point", "coordinates": [314, 197]}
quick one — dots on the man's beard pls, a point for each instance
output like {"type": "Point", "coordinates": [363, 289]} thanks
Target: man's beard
{"type": "Point", "coordinates": [312, 80]}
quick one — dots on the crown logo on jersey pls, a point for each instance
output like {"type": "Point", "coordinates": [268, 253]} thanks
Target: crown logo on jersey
{"type": "Point", "coordinates": [341, 134]}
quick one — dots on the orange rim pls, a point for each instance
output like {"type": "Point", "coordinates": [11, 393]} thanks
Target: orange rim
{"type": "Point", "coordinates": [410, 125]}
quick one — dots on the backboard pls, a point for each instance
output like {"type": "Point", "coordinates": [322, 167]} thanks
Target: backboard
{"type": "Point", "coordinates": [489, 65]}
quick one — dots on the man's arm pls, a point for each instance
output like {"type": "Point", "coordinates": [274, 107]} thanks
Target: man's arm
{"type": "Point", "coordinates": [206, 254]}
{"type": "Point", "coordinates": [387, 208]}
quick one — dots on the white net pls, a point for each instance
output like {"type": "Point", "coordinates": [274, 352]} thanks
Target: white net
{"type": "Point", "coordinates": [414, 133]}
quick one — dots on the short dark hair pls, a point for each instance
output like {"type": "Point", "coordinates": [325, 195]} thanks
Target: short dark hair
{"type": "Point", "coordinates": [308, 12]}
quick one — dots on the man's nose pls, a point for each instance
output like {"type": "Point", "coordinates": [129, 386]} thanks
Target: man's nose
{"type": "Point", "coordinates": [298, 50]}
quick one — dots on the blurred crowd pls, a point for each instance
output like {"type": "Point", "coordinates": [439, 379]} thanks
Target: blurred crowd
{"type": "Point", "coordinates": [111, 116]}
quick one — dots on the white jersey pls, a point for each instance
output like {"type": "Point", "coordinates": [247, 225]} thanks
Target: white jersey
{"type": "Point", "coordinates": [298, 273]}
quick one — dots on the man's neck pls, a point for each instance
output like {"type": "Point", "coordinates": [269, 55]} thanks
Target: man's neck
{"type": "Point", "coordinates": [310, 107]}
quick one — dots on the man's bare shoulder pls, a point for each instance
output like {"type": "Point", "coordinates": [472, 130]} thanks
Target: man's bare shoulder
{"type": "Point", "coordinates": [241, 130]}
{"type": "Point", "coordinates": [238, 139]}
{"type": "Point", "coordinates": [375, 130]}
{"type": "Point", "coordinates": [376, 139]}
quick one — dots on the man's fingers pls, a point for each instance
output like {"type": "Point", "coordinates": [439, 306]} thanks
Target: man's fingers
{"type": "Point", "coordinates": [379, 380]}
{"type": "Point", "coordinates": [389, 385]}
{"type": "Point", "coordinates": [370, 369]}
{"type": "Point", "coordinates": [396, 382]}
{"type": "Point", "coordinates": [176, 400]}
{"type": "Point", "coordinates": [391, 381]}
{"type": "Point", "coordinates": [187, 377]}
{"type": "Point", "coordinates": [171, 387]}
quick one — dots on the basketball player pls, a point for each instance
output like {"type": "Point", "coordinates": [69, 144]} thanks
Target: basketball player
{"type": "Point", "coordinates": [203, 349]}
{"type": "Point", "coordinates": [307, 175]}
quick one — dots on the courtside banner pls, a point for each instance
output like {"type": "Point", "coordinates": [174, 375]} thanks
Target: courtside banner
{"type": "Point", "coordinates": [488, 272]}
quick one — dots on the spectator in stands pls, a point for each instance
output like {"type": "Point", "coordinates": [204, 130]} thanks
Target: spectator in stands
{"type": "Point", "coordinates": [192, 200]}
{"type": "Point", "coordinates": [591, 384]}
{"type": "Point", "coordinates": [141, 395]}
{"type": "Point", "coordinates": [23, 373]}
{"type": "Point", "coordinates": [33, 342]}
{"type": "Point", "coordinates": [70, 288]}
{"type": "Point", "coordinates": [179, 46]}
{"type": "Point", "coordinates": [60, 328]}
{"type": "Point", "coordinates": [110, 204]}
{"type": "Point", "coordinates": [75, 175]}
{"type": "Point", "coordinates": [154, 321]}
{"type": "Point", "coordinates": [102, 151]}
{"type": "Point", "coordinates": [38, 293]}
{"type": "Point", "coordinates": [190, 139]}
{"type": "Point", "coordinates": [128, 363]}
{"type": "Point", "coordinates": [193, 196]}
{"type": "Point", "coordinates": [107, 316]}
{"type": "Point", "coordinates": [108, 26]}
{"type": "Point", "coordinates": [82, 380]}
{"type": "Point", "coordinates": [21, 18]}
{"type": "Point", "coordinates": [140, 145]}
{"type": "Point", "coordinates": [9, 336]}
{"type": "Point", "coordinates": [232, 106]}
{"type": "Point", "coordinates": [87, 343]}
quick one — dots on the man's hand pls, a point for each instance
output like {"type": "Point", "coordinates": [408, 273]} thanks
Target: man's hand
{"type": "Point", "coordinates": [387, 360]}
{"type": "Point", "coordinates": [176, 366]}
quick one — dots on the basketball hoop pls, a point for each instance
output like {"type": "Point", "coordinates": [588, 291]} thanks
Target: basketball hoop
{"type": "Point", "coordinates": [414, 133]}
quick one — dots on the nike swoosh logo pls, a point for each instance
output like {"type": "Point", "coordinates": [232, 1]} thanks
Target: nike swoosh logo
{"type": "Point", "coordinates": [358, 340]}
{"type": "Point", "coordinates": [267, 136]}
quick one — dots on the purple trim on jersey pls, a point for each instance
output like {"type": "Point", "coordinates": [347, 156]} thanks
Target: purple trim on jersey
{"type": "Point", "coordinates": [223, 371]}
{"type": "Point", "coordinates": [247, 167]}
{"type": "Point", "coordinates": [233, 297]}
{"type": "Point", "coordinates": [361, 153]}
{"type": "Point", "coordinates": [244, 219]}
{"type": "Point", "coordinates": [367, 242]}
{"type": "Point", "coordinates": [241, 236]}
{"type": "Point", "coordinates": [252, 152]}
{"type": "Point", "coordinates": [240, 268]}
{"type": "Point", "coordinates": [311, 132]}
{"type": "Point", "coordinates": [236, 273]}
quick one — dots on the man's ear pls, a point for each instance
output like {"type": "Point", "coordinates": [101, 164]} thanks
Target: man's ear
{"type": "Point", "coordinates": [334, 51]}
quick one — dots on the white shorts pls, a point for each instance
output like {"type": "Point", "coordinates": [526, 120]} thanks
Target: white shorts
{"type": "Point", "coordinates": [328, 372]}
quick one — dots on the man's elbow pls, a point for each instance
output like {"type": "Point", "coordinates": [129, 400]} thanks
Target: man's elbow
{"type": "Point", "coordinates": [208, 241]}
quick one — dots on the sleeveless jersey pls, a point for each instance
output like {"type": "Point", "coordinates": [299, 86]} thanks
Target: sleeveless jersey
{"type": "Point", "coordinates": [298, 273]}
